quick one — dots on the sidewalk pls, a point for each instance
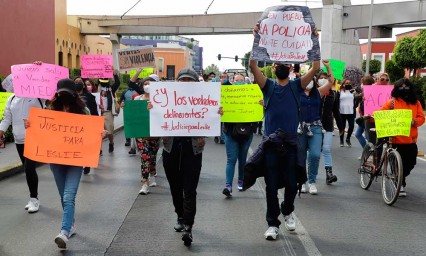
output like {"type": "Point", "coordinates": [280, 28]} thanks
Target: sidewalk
{"type": "Point", "coordinates": [10, 163]}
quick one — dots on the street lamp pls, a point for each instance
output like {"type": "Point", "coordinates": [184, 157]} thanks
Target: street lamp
{"type": "Point", "coordinates": [367, 66]}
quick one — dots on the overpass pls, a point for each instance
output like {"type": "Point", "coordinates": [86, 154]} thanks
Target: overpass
{"type": "Point", "coordinates": [341, 23]}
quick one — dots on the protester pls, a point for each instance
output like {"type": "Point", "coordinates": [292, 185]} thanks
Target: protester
{"type": "Point", "coordinates": [366, 80]}
{"type": "Point", "coordinates": [108, 99]}
{"type": "Point", "coordinates": [17, 109]}
{"type": "Point", "coordinates": [237, 147]}
{"type": "Point", "coordinates": [404, 97]}
{"type": "Point", "coordinates": [224, 79]}
{"type": "Point", "coordinates": [382, 79]}
{"type": "Point", "coordinates": [347, 110]}
{"type": "Point", "coordinates": [212, 77]}
{"type": "Point", "coordinates": [90, 86]}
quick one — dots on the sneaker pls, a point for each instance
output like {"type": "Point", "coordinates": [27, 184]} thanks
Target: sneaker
{"type": "Point", "coordinates": [289, 222]}
{"type": "Point", "coordinates": [402, 192]}
{"type": "Point", "coordinates": [61, 240]}
{"type": "Point", "coordinates": [227, 191]}
{"type": "Point", "coordinates": [342, 145]}
{"type": "Point", "coordinates": [127, 143]}
{"type": "Point", "coordinates": [271, 233]}
{"type": "Point", "coordinates": [151, 181]}
{"type": "Point", "coordinates": [28, 205]}
{"type": "Point", "coordinates": [33, 205]}
{"type": "Point", "coordinates": [72, 231]}
{"type": "Point", "coordinates": [348, 142]}
{"type": "Point", "coordinates": [132, 151]}
{"type": "Point", "coordinates": [111, 147]}
{"type": "Point", "coordinates": [187, 235]}
{"type": "Point", "coordinates": [144, 190]}
{"type": "Point", "coordinates": [313, 189]}
{"type": "Point", "coordinates": [303, 189]}
{"type": "Point", "coordinates": [179, 225]}
{"type": "Point", "coordinates": [240, 185]}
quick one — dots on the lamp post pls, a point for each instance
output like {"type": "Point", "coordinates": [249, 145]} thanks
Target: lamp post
{"type": "Point", "coordinates": [367, 66]}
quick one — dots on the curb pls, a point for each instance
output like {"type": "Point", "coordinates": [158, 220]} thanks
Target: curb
{"type": "Point", "coordinates": [17, 168]}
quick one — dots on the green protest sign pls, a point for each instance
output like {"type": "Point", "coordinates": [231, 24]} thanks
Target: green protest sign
{"type": "Point", "coordinates": [4, 96]}
{"type": "Point", "coordinates": [241, 103]}
{"type": "Point", "coordinates": [393, 122]}
{"type": "Point", "coordinates": [145, 72]}
{"type": "Point", "coordinates": [337, 67]}
{"type": "Point", "coordinates": [136, 119]}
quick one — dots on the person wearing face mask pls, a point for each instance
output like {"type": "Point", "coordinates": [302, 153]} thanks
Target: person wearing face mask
{"type": "Point", "coordinates": [90, 86]}
{"type": "Point", "coordinates": [347, 113]}
{"type": "Point", "coordinates": [281, 115]}
{"type": "Point", "coordinates": [404, 97]}
{"type": "Point", "coordinates": [310, 127]}
{"type": "Point", "coordinates": [224, 79]}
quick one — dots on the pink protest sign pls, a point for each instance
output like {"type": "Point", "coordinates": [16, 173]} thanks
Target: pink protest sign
{"type": "Point", "coordinates": [37, 81]}
{"type": "Point", "coordinates": [96, 66]}
{"type": "Point", "coordinates": [375, 96]}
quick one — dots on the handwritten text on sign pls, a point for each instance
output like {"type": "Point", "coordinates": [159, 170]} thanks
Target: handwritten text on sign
{"type": "Point", "coordinates": [4, 96]}
{"type": "Point", "coordinates": [286, 35]}
{"type": "Point", "coordinates": [96, 66]}
{"type": "Point", "coordinates": [375, 96]}
{"type": "Point", "coordinates": [241, 103]}
{"type": "Point", "coordinates": [63, 138]}
{"type": "Point", "coordinates": [393, 122]}
{"type": "Point", "coordinates": [184, 109]}
{"type": "Point", "coordinates": [132, 58]}
{"type": "Point", "coordinates": [37, 81]}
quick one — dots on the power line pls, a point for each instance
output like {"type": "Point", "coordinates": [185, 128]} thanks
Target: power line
{"type": "Point", "coordinates": [129, 9]}
{"type": "Point", "coordinates": [205, 12]}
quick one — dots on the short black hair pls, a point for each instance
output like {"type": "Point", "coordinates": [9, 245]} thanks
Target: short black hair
{"type": "Point", "coordinates": [411, 97]}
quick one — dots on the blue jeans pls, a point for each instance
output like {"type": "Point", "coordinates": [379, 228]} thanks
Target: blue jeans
{"type": "Point", "coordinates": [358, 134]}
{"type": "Point", "coordinates": [280, 170]}
{"type": "Point", "coordinates": [235, 150]}
{"type": "Point", "coordinates": [67, 179]}
{"type": "Point", "coordinates": [222, 133]}
{"type": "Point", "coordinates": [326, 149]}
{"type": "Point", "coordinates": [313, 145]}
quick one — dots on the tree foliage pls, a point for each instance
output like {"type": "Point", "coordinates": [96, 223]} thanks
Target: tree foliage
{"type": "Point", "coordinates": [405, 56]}
{"type": "Point", "coordinates": [419, 47]}
{"type": "Point", "coordinates": [375, 66]}
{"type": "Point", "coordinates": [212, 68]}
{"type": "Point", "coordinates": [245, 60]}
{"type": "Point", "coordinates": [395, 72]}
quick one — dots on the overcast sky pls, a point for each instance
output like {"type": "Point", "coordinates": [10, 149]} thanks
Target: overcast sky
{"type": "Point", "coordinates": [227, 45]}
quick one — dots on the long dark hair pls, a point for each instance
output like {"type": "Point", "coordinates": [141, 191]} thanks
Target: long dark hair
{"type": "Point", "coordinates": [410, 97]}
{"type": "Point", "coordinates": [76, 106]}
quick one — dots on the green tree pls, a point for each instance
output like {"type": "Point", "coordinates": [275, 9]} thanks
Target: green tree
{"type": "Point", "coordinates": [245, 60]}
{"type": "Point", "coordinates": [375, 66]}
{"type": "Point", "coordinates": [212, 68]}
{"type": "Point", "coordinates": [419, 47]}
{"type": "Point", "coordinates": [395, 72]}
{"type": "Point", "coordinates": [405, 56]}
{"type": "Point", "coordinates": [267, 71]}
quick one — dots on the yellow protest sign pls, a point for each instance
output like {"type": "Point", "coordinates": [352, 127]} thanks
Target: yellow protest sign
{"type": "Point", "coordinates": [145, 72]}
{"type": "Point", "coordinates": [395, 122]}
{"type": "Point", "coordinates": [241, 103]}
{"type": "Point", "coordinates": [3, 99]}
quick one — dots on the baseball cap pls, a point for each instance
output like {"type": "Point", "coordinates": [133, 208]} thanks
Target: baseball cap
{"type": "Point", "coordinates": [103, 80]}
{"type": "Point", "coordinates": [155, 77]}
{"type": "Point", "coordinates": [66, 85]}
{"type": "Point", "coordinates": [188, 73]}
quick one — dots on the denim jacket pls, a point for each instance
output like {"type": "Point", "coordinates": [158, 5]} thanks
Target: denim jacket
{"type": "Point", "coordinates": [197, 144]}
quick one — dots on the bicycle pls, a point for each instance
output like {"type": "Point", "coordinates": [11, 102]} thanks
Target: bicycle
{"type": "Point", "coordinates": [389, 166]}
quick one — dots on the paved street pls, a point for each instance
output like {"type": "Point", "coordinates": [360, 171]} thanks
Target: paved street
{"type": "Point", "coordinates": [112, 219]}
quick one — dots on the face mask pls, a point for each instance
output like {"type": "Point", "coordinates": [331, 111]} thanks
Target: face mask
{"type": "Point", "coordinates": [348, 87]}
{"type": "Point", "coordinates": [225, 81]}
{"type": "Point", "coordinates": [146, 88]}
{"type": "Point", "coordinates": [89, 88]}
{"type": "Point", "coordinates": [213, 79]}
{"type": "Point", "coordinates": [239, 83]}
{"type": "Point", "coordinates": [282, 72]}
{"type": "Point", "coordinates": [310, 86]}
{"type": "Point", "coordinates": [322, 81]}
{"type": "Point", "coordinates": [79, 86]}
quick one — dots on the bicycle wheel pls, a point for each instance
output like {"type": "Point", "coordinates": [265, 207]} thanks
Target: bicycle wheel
{"type": "Point", "coordinates": [392, 177]}
{"type": "Point", "coordinates": [366, 167]}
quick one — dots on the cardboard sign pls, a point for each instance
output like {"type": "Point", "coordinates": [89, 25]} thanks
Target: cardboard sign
{"type": "Point", "coordinates": [337, 67]}
{"type": "Point", "coordinates": [184, 109]}
{"type": "Point", "coordinates": [37, 81]}
{"type": "Point", "coordinates": [7, 83]}
{"type": "Point", "coordinates": [135, 57]}
{"type": "Point", "coordinates": [375, 96]}
{"type": "Point", "coordinates": [136, 119]}
{"type": "Point", "coordinates": [63, 138]}
{"type": "Point", "coordinates": [393, 122]}
{"type": "Point", "coordinates": [96, 66]}
{"type": "Point", "coordinates": [241, 103]}
{"type": "Point", "coordinates": [286, 35]}
{"type": "Point", "coordinates": [4, 96]}
{"type": "Point", "coordinates": [145, 72]}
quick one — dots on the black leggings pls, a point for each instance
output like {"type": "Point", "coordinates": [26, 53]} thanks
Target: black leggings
{"type": "Point", "coordinates": [408, 154]}
{"type": "Point", "coordinates": [30, 171]}
{"type": "Point", "coordinates": [351, 121]}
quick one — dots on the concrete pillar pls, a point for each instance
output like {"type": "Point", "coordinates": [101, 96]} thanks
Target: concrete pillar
{"type": "Point", "coordinates": [115, 40]}
{"type": "Point", "coordinates": [337, 43]}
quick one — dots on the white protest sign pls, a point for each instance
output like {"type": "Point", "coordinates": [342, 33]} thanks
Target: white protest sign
{"type": "Point", "coordinates": [184, 109]}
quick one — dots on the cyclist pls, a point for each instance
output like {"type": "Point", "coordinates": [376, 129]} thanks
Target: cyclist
{"type": "Point", "coordinates": [404, 97]}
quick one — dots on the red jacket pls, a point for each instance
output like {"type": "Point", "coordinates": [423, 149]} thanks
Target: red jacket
{"type": "Point", "coordinates": [418, 117]}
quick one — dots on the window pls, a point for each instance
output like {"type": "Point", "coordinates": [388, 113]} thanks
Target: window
{"type": "Point", "coordinates": [381, 58]}
{"type": "Point", "coordinates": [364, 56]}
{"type": "Point", "coordinates": [160, 65]}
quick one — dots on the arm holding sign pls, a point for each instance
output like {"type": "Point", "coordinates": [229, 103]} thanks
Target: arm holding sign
{"type": "Point", "coordinates": [307, 78]}
{"type": "Point", "coordinates": [116, 84]}
{"type": "Point", "coordinates": [325, 88]}
{"type": "Point", "coordinates": [258, 76]}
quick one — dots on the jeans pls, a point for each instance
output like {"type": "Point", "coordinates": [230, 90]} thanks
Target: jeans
{"type": "Point", "coordinates": [182, 170]}
{"type": "Point", "coordinates": [30, 171]}
{"type": "Point", "coordinates": [67, 179]}
{"type": "Point", "coordinates": [222, 133]}
{"type": "Point", "coordinates": [358, 134]}
{"type": "Point", "coordinates": [326, 149]}
{"type": "Point", "coordinates": [236, 150]}
{"type": "Point", "coordinates": [278, 169]}
{"type": "Point", "coordinates": [313, 145]}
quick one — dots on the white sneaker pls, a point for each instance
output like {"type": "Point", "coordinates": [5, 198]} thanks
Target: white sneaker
{"type": "Point", "coordinates": [61, 240]}
{"type": "Point", "coordinates": [72, 231]}
{"type": "Point", "coordinates": [402, 192]}
{"type": "Point", "coordinates": [313, 189]}
{"type": "Point", "coordinates": [303, 189]}
{"type": "Point", "coordinates": [151, 181]}
{"type": "Point", "coordinates": [33, 205]}
{"type": "Point", "coordinates": [144, 190]}
{"type": "Point", "coordinates": [27, 206]}
{"type": "Point", "coordinates": [289, 222]}
{"type": "Point", "coordinates": [271, 233]}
